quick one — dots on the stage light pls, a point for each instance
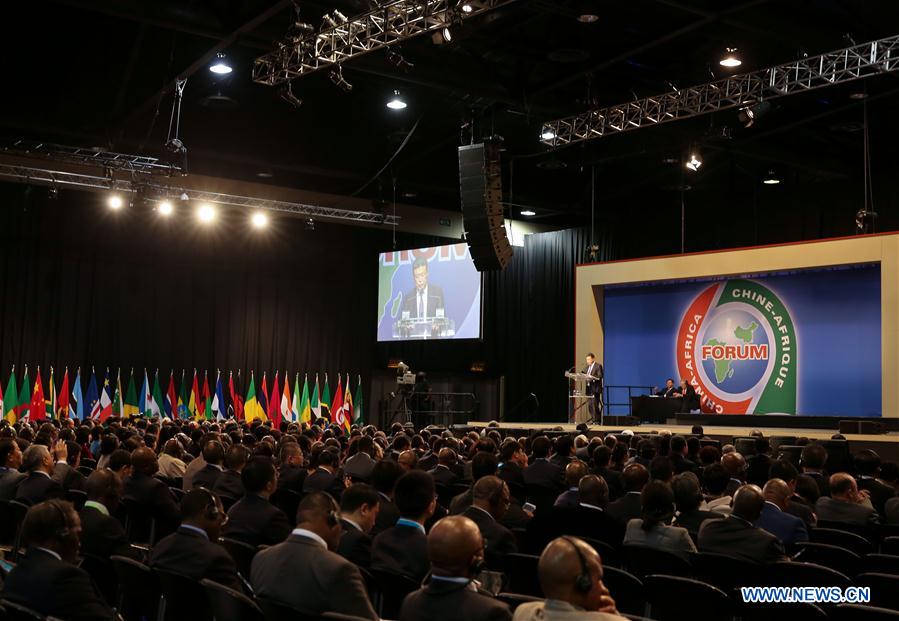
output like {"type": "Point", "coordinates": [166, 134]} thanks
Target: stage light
{"type": "Point", "coordinates": [395, 57]}
{"type": "Point", "coordinates": [771, 178]}
{"type": "Point", "coordinates": [748, 115]}
{"type": "Point", "coordinates": [467, 8]}
{"type": "Point", "coordinates": [695, 162]}
{"type": "Point", "coordinates": [528, 212]}
{"type": "Point", "coordinates": [286, 93]}
{"type": "Point", "coordinates": [730, 59]}
{"type": "Point", "coordinates": [259, 220]}
{"type": "Point", "coordinates": [206, 213]}
{"type": "Point", "coordinates": [165, 208]}
{"type": "Point", "coordinates": [115, 202]}
{"type": "Point", "coordinates": [310, 224]}
{"type": "Point", "coordinates": [336, 76]}
{"type": "Point", "coordinates": [547, 134]}
{"type": "Point", "coordinates": [220, 66]}
{"type": "Point", "coordinates": [397, 102]}
{"type": "Point", "coordinates": [340, 17]}
{"type": "Point", "coordinates": [444, 35]}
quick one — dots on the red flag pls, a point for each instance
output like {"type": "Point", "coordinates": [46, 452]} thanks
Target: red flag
{"type": "Point", "coordinates": [264, 401]}
{"type": "Point", "coordinates": [274, 409]}
{"type": "Point", "coordinates": [62, 401]}
{"type": "Point", "coordinates": [171, 397]}
{"type": "Point", "coordinates": [235, 398]}
{"type": "Point", "coordinates": [337, 404]}
{"type": "Point", "coordinates": [38, 407]}
{"type": "Point", "coordinates": [193, 406]}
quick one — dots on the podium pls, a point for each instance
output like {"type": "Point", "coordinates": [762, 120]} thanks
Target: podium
{"type": "Point", "coordinates": [579, 400]}
{"type": "Point", "coordinates": [423, 328]}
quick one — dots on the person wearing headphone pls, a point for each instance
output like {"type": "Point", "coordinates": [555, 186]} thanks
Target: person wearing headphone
{"type": "Point", "coordinates": [47, 579]}
{"type": "Point", "coordinates": [456, 552]}
{"type": "Point", "coordinates": [192, 550]}
{"type": "Point", "coordinates": [571, 577]}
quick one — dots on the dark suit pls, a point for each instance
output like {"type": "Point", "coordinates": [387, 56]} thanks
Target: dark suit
{"type": "Point", "coordinates": [664, 391]}
{"type": "Point", "coordinates": [498, 540]}
{"type": "Point", "coordinates": [733, 536]}
{"type": "Point", "coordinates": [594, 387]}
{"type": "Point", "coordinates": [433, 302]}
{"type": "Point", "coordinates": [256, 521]}
{"type": "Point", "coordinates": [55, 588]}
{"type": "Point", "coordinates": [802, 510]}
{"type": "Point", "coordinates": [103, 535]}
{"type": "Point", "coordinates": [681, 464]}
{"type": "Point", "coordinates": [229, 484]}
{"type": "Point", "coordinates": [190, 554]}
{"type": "Point", "coordinates": [544, 473]}
{"type": "Point", "coordinates": [401, 550]}
{"type": "Point", "coordinates": [757, 467]}
{"type": "Point", "coordinates": [831, 510]}
{"type": "Point", "coordinates": [359, 466]}
{"type": "Point", "coordinates": [440, 600]}
{"type": "Point", "coordinates": [156, 497]}
{"type": "Point", "coordinates": [301, 574]}
{"type": "Point", "coordinates": [323, 481]}
{"type": "Point", "coordinates": [613, 480]}
{"type": "Point", "coordinates": [879, 492]}
{"type": "Point", "coordinates": [68, 477]}
{"type": "Point", "coordinates": [428, 461]}
{"type": "Point", "coordinates": [689, 401]}
{"type": "Point", "coordinates": [443, 475]}
{"type": "Point", "coordinates": [692, 520]}
{"type": "Point", "coordinates": [38, 487]}
{"type": "Point", "coordinates": [788, 528]}
{"type": "Point", "coordinates": [9, 481]}
{"type": "Point", "coordinates": [626, 508]}
{"type": "Point", "coordinates": [589, 522]}
{"type": "Point", "coordinates": [462, 501]}
{"type": "Point", "coordinates": [355, 545]}
{"type": "Point", "coordinates": [291, 477]}
{"type": "Point", "coordinates": [207, 476]}
{"type": "Point", "coordinates": [822, 480]}
{"type": "Point", "coordinates": [388, 514]}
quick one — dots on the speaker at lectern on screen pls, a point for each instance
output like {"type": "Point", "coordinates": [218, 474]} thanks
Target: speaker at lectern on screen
{"type": "Point", "coordinates": [428, 293]}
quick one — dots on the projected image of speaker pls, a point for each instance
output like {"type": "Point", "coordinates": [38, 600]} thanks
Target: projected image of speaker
{"type": "Point", "coordinates": [480, 185]}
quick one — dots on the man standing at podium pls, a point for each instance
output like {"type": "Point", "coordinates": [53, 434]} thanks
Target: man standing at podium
{"type": "Point", "coordinates": [424, 299]}
{"type": "Point", "coordinates": [594, 385]}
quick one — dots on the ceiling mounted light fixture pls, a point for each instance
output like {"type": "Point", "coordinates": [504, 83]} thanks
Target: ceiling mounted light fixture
{"type": "Point", "coordinates": [771, 178]}
{"type": "Point", "coordinates": [220, 66]}
{"type": "Point", "coordinates": [336, 76]}
{"type": "Point", "coordinates": [259, 220]}
{"type": "Point", "coordinates": [694, 162]}
{"type": "Point", "coordinates": [165, 208]}
{"type": "Point", "coordinates": [115, 202]}
{"type": "Point", "coordinates": [206, 213]}
{"type": "Point", "coordinates": [730, 59]}
{"type": "Point", "coordinates": [467, 8]}
{"type": "Point", "coordinates": [748, 115]}
{"type": "Point", "coordinates": [396, 102]}
{"type": "Point", "coordinates": [528, 212]}
{"type": "Point", "coordinates": [547, 134]}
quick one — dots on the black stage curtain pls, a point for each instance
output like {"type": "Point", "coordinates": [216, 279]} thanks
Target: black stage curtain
{"type": "Point", "coordinates": [81, 286]}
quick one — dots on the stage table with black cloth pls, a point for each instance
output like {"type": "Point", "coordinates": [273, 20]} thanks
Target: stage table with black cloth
{"type": "Point", "coordinates": [656, 409]}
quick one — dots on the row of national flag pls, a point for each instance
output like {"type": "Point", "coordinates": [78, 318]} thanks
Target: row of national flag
{"type": "Point", "coordinates": [196, 398]}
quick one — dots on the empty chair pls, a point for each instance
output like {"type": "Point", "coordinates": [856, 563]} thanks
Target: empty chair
{"type": "Point", "coordinates": [138, 588]}
{"type": "Point", "coordinates": [522, 572]}
{"type": "Point", "coordinates": [392, 589]}
{"type": "Point", "coordinates": [514, 600]}
{"type": "Point", "coordinates": [607, 553]}
{"type": "Point", "coordinates": [183, 598]}
{"type": "Point", "coordinates": [87, 462]}
{"type": "Point", "coordinates": [667, 596]}
{"type": "Point", "coordinates": [725, 572]}
{"type": "Point", "coordinates": [85, 470]}
{"type": "Point", "coordinates": [884, 589]}
{"type": "Point", "coordinates": [178, 493]}
{"type": "Point", "coordinates": [793, 612]}
{"type": "Point", "coordinates": [745, 446]}
{"type": "Point", "coordinates": [890, 545]}
{"type": "Point", "coordinates": [18, 612]}
{"type": "Point", "coordinates": [881, 563]}
{"type": "Point", "coordinates": [643, 560]}
{"type": "Point", "coordinates": [794, 573]}
{"type": "Point", "coordinates": [229, 605]}
{"type": "Point", "coordinates": [626, 589]}
{"type": "Point", "coordinates": [859, 612]}
{"type": "Point", "coordinates": [842, 538]}
{"type": "Point", "coordinates": [835, 557]}
{"type": "Point", "coordinates": [242, 553]}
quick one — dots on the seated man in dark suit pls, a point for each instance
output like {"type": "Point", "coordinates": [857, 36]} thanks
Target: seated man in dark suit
{"type": "Point", "coordinates": [845, 504]}
{"type": "Point", "coordinates": [359, 466]}
{"type": "Point", "coordinates": [589, 518]}
{"type": "Point", "coordinates": [787, 472]}
{"type": "Point", "coordinates": [442, 472]}
{"type": "Point", "coordinates": [629, 507]}
{"type": "Point", "coordinates": [38, 486]}
{"type": "Point", "coordinates": [574, 472]}
{"type": "Point", "coordinates": [358, 512]}
{"type": "Point", "coordinates": [688, 499]}
{"type": "Point", "coordinates": [491, 500]}
{"type": "Point", "coordinates": [149, 492]}
{"type": "Point", "coordinates": [678, 456]}
{"type": "Point", "coordinates": [101, 534]}
{"type": "Point", "coordinates": [291, 474]}
{"type": "Point", "coordinates": [867, 467]}
{"type": "Point", "coordinates": [214, 456]}
{"type": "Point", "coordinates": [64, 472]}
{"type": "Point", "coordinates": [774, 518]}
{"type": "Point", "coordinates": [563, 451]}
{"type": "Point", "coordinates": [384, 476]}
{"type": "Point", "coordinates": [192, 550]}
{"type": "Point", "coordinates": [602, 455]}
{"type": "Point", "coordinates": [47, 579]}
{"type": "Point", "coordinates": [327, 477]}
{"type": "Point", "coordinates": [482, 464]}
{"type": "Point", "coordinates": [253, 519]}
{"type": "Point", "coordinates": [736, 536]}
{"type": "Point", "coordinates": [456, 551]}
{"type": "Point", "coordinates": [329, 583]}
{"type": "Point", "coordinates": [402, 549]}
{"type": "Point", "coordinates": [542, 472]}
{"type": "Point", "coordinates": [812, 461]}
{"type": "Point", "coordinates": [229, 483]}
{"type": "Point", "coordinates": [10, 461]}
{"type": "Point", "coordinates": [758, 465]}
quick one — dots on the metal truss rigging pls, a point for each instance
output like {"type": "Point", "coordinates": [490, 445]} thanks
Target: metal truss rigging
{"type": "Point", "coordinates": [801, 75]}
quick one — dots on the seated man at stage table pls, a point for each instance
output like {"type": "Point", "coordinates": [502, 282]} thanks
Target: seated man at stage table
{"type": "Point", "coordinates": [686, 392]}
{"type": "Point", "coordinates": [668, 389]}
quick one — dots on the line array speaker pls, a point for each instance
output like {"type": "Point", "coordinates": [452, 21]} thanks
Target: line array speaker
{"type": "Point", "coordinates": [480, 185]}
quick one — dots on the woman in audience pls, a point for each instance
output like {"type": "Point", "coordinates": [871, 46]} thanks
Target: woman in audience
{"type": "Point", "coordinates": [653, 530]}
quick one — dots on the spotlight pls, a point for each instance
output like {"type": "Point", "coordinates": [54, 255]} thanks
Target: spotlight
{"type": "Point", "coordinates": [397, 60]}
{"type": "Point", "coordinates": [300, 30]}
{"type": "Point", "coordinates": [467, 8]}
{"type": "Point", "coordinates": [444, 35]}
{"type": "Point", "coordinates": [310, 224]}
{"type": "Point", "coordinates": [220, 66]}
{"type": "Point", "coordinates": [336, 76]}
{"type": "Point", "coordinates": [730, 59]}
{"type": "Point", "coordinates": [528, 212]}
{"type": "Point", "coordinates": [327, 19]}
{"type": "Point", "coordinates": [115, 202]}
{"type": "Point", "coordinates": [206, 213]}
{"type": "Point", "coordinates": [695, 162]}
{"type": "Point", "coordinates": [771, 178]}
{"type": "Point", "coordinates": [52, 193]}
{"type": "Point", "coordinates": [547, 134]}
{"type": "Point", "coordinates": [397, 102]}
{"type": "Point", "coordinates": [750, 114]}
{"type": "Point", "coordinates": [165, 208]}
{"type": "Point", "coordinates": [287, 95]}
{"type": "Point", "coordinates": [259, 220]}
{"type": "Point", "coordinates": [340, 17]}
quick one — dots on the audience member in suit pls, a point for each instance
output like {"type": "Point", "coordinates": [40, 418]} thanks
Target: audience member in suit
{"type": "Point", "coordinates": [254, 519]}
{"type": "Point", "coordinates": [101, 534]}
{"type": "Point", "coordinates": [171, 462]}
{"type": "Point", "coordinates": [716, 480]}
{"type": "Point", "coordinates": [330, 583]}
{"type": "Point", "coordinates": [326, 477]}
{"type": "Point", "coordinates": [38, 486]}
{"type": "Point", "coordinates": [688, 500]}
{"type": "Point", "coordinates": [358, 512]}
{"type": "Point", "coordinates": [542, 472]}
{"type": "Point", "coordinates": [491, 500]}
{"type": "Point", "coordinates": [120, 464]}
{"type": "Point", "coordinates": [214, 456]}
{"type": "Point", "coordinates": [511, 469]}
{"type": "Point", "coordinates": [601, 457]}
{"type": "Point", "coordinates": [812, 461]}
{"type": "Point", "coordinates": [193, 467]}
{"type": "Point", "coordinates": [736, 534]}
{"type": "Point", "coordinates": [359, 466]}
{"type": "Point", "coordinates": [408, 460]}
{"type": "Point", "coordinates": [735, 464]}
{"type": "Point", "coordinates": [192, 550]}
{"type": "Point", "coordinates": [574, 472]}
{"type": "Point", "coordinates": [787, 472]}
{"type": "Point", "coordinates": [291, 474]}
{"type": "Point", "coordinates": [774, 518]}
{"type": "Point", "coordinates": [845, 503]}
{"type": "Point", "coordinates": [65, 473]}
{"type": "Point", "coordinates": [229, 483]}
{"type": "Point", "coordinates": [891, 510]}
{"type": "Point", "coordinates": [867, 467]}
{"type": "Point", "coordinates": [678, 456]}
{"type": "Point", "coordinates": [571, 577]}
{"type": "Point", "coordinates": [384, 476]}
{"type": "Point", "coordinates": [563, 451]}
{"type": "Point", "coordinates": [150, 492]}
{"type": "Point", "coordinates": [652, 530]}
{"type": "Point", "coordinates": [482, 464]}
{"type": "Point", "coordinates": [47, 579]}
{"type": "Point", "coordinates": [443, 472]}
{"type": "Point", "coordinates": [629, 506]}
{"type": "Point", "coordinates": [589, 518]}
{"type": "Point", "coordinates": [11, 460]}
{"type": "Point", "coordinates": [758, 465]}
{"type": "Point", "coordinates": [456, 552]}
{"type": "Point", "coordinates": [402, 549]}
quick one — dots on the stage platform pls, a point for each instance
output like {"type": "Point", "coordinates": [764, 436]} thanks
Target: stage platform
{"type": "Point", "coordinates": [886, 445]}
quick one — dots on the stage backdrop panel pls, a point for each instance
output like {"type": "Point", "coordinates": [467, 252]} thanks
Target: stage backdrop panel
{"type": "Point", "coordinates": [802, 342]}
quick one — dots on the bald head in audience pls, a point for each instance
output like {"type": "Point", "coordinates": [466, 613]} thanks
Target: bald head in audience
{"type": "Point", "coordinates": [843, 487]}
{"type": "Point", "coordinates": [562, 562]}
{"type": "Point", "coordinates": [735, 464]}
{"type": "Point", "coordinates": [748, 503]}
{"type": "Point", "coordinates": [593, 490]}
{"type": "Point", "coordinates": [455, 547]}
{"type": "Point", "coordinates": [778, 492]}
{"type": "Point", "coordinates": [143, 460]}
{"type": "Point", "coordinates": [408, 460]}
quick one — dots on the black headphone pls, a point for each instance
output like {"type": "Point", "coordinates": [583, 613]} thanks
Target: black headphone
{"type": "Point", "coordinates": [211, 511]}
{"type": "Point", "coordinates": [65, 531]}
{"type": "Point", "coordinates": [583, 583]}
{"type": "Point", "coordinates": [478, 565]}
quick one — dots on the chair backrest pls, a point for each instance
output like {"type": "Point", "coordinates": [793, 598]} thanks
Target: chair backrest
{"type": "Point", "coordinates": [842, 538]}
{"type": "Point", "coordinates": [644, 560]}
{"type": "Point", "coordinates": [745, 446]}
{"type": "Point", "coordinates": [882, 563]}
{"type": "Point", "coordinates": [103, 574]}
{"type": "Point", "coordinates": [521, 570]}
{"type": "Point", "coordinates": [890, 545]}
{"type": "Point", "coordinates": [339, 616]}
{"type": "Point", "coordinates": [242, 553]}
{"type": "Point", "coordinates": [88, 462]}
{"type": "Point", "coordinates": [77, 498]}
{"type": "Point", "coordinates": [227, 502]}
{"type": "Point", "coordinates": [667, 594]}
{"type": "Point", "coordinates": [140, 526]}
{"type": "Point", "coordinates": [726, 572]}
{"type": "Point", "coordinates": [842, 560]}
{"type": "Point", "coordinates": [12, 514]}
{"type": "Point", "coordinates": [838, 457]}
{"type": "Point", "coordinates": [287, 500]}
{"type": "Point", "coordinates": [393, 589]}
{"type": "Point", "coordinates": [884, 589]}
{"type": "Point", "coordinates": [276, 611]}
{"type": "Point", "coordinates": [514, 600]}
{"type": "Point", "coordinates": [138, 588]}
{"type": "Point", "coordinates": [229, 605]}
{"type": "Point", "coordinates": [858, 612]}
{"type": "Point", "coordinates": [789, 452]}
{"type": "Point", "coordinates": [626, 589]}
{"type": "Point", "coordinates": [19, 612]}
{"type": "Point", "coordinates": [796, 573]}
{"type": "Point", "coordinates": [85, 470]}
{"type": "Point", "coordinates": [777, 441]}
{"type": "Point", "coordinates": [869, 533]}
{"type": "Point", "coordinates": [184, 597]}
{"type": "Point", "coordinates": [608, 554]}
